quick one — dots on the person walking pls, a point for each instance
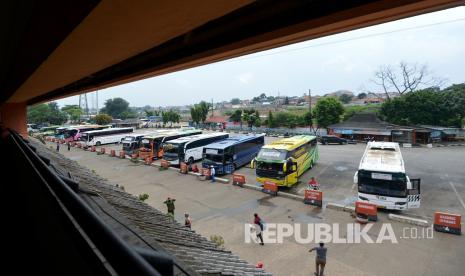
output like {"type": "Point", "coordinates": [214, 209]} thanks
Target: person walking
{"type": "Point", "coordinates": [258, 223]}
{"type": "Point", "coordinates": [212, 173]}
{"type": "Point", "coordinates": [170, 206]}
{"type": "Point", "coordinates": [69, 146]}
{"type": "Point", "coordinates": [187, 221]}
{"type": "Point", "coordinates": [320, 258]}
{"type": "Point", "coordinates": [58, 146]}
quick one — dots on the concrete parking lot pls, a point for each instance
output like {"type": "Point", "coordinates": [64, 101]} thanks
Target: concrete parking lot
{"type": "Point", "coordinates": [442, 173]}
{"type": "Point", "coordinates": [223, 209]}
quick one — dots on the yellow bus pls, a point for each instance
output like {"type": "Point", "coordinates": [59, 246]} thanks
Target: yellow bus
{"type": "Point", "coordinates": [283, 161]}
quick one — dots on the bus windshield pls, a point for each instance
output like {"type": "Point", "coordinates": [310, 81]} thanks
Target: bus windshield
{"type": "Point", "coordinates": [272, 154]}
{"type": "Point", "coordinates": [383, 184]}
{"type": "Point", "coordinates": [171, 148]}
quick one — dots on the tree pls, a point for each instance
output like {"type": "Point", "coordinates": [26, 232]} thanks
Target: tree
{"type": "Point", "coordinates": [251, 117]}
{"type": "Point", "coordinates": [149, 113]}
{"type": "Point", "coordinates": [203, 107]}
{"type": "Point", "coordinates": [46, 114]}
{"type": "Point", "coordinates": [430, 106]}
{"type": "Point", "coordinates": [195, 115]}
{"type": "Point", "coordinates": [235, 101]}
{"type": "Point", "coordinates": [362, 95]}
{"type": "Point", "coordinates": [117, 108]}
{"type": "Point", "coordinates": [406, 78]}
{"type": "Point", "coordinates": [270, 121]}
{"type": "Point", "coordinates": [170, 117]}
{"type": "Point", "coordinates": [103, 119]}
{"type": "Point", "coordinates": [74, 112]}
{"type": "Point", "coordinates": [327, 111]}
{"type": "Point", "coordinates": [345, 98]}
{"type": "Point", "coordinates": [237, 116]}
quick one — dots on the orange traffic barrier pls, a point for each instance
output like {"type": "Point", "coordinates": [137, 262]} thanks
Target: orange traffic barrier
{"type": "Point", "coordinates": [122, 154]}
{"type": "Point", "coordinates": [92, 149]}
{"type": "Point", "coordinates": [72, 144]}
{"type": "Point", "coordinates": [183, 168]}
{"type": "Point", "coordinates": [270, 188]}
{"type": "Point", "coordinates": [238, 179]}
{"type": "Point", "coordinates": [365, 211]}
{"type": "Point", "coordinates": [102, 151]}
{"type": "Point", "coordinates": [148, 160]}
{"type": "Point", "coordinates": [313, 197]}
{"type": "Point", "coordinates": [134, 156]}
{"type": "Point", "coordinates": [447, 223]}
{"type": "Point", "coordinates": [112, 153]}
{"type": "Point", "coordinates": [165, 164]}
{"type": "Point", "coordinates": [78, 145]}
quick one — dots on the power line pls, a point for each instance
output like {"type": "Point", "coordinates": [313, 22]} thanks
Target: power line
{"type": "Point", "coordinates": [347, 39]}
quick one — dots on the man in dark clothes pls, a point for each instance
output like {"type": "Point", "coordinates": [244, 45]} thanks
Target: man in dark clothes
{"type": "Point", "coordinates": [320, 260]}
{"type": "Point", "coordinates": [170, 205]}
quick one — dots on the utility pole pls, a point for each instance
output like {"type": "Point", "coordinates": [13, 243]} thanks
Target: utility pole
{"type": "Point", "coordinates": [96, 95]}
{"type": "Point", "coordinates": [212, 107]}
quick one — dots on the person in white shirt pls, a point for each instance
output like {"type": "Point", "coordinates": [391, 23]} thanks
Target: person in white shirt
{"type": "Point", "coordinates": [212, 173]}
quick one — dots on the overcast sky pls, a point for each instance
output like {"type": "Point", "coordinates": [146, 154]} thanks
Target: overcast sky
{"type": "Point", "coordinates": [343, 61]}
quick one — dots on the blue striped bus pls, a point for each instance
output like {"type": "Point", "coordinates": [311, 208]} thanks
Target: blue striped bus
{"type": "Point", "coordinates": [229, 154]}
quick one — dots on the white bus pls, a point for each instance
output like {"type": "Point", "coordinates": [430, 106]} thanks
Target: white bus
{"type": "Point", "coordinates": [382, 180]}
{"type": "Point", "coordinates": [189, 149]}
{"type": "Point", "coordinates": [105, 136]}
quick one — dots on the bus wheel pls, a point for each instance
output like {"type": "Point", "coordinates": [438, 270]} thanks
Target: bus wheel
{"type": "Point", "coordinates": [98, 143]}
{"type": "Point", "coordinates": [191, 160]}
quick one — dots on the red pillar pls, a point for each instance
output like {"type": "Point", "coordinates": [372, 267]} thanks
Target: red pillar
{"type": "Point", "coordinates": [14, 116]}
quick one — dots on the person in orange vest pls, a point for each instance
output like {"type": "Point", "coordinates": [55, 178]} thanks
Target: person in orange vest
{"type": "Point", "coordinates": [313, 184]}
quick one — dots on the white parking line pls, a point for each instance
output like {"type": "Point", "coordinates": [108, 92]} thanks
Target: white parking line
{"type": "Point", "coordinates": [458, 196]}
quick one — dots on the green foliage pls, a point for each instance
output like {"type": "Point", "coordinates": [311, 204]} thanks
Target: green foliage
{"type": "Point", "coordinates": [236, 116]}
{"type": "Point", "coordinates": [149, 113]}
{"type": "Point", "coordinates": [286, 119]}
{"type": "Point", "coordinates": [200, 111]}
{"type": "Point", "coordinates": [235, 101]}
{"type": "Point", "coordinates": [307, 118]}
{"type": "Point", "coordinates": [143, 197]}
{"type": "Point", "coordinates": [362, 95]}
{"type": "Point", "coordinates": [170, 116]}
{"type": "Point", "coordinates": [74, 112]}
{"type": "Point", "coordinates": [117, 108]}
{"type": "Point", "coordinates": [328, 110]}
{"type": "Point", "coordinates": [344, 98]}
{"type": "Point", "coordinates": [271, 123]}
{"type": "Point", "coordinates": [349, 111]}
{"type": "Point", "coordinates": [103, 119]}
{"type": "Point", "coordinates": [427, 106]}
{"type": "Point", "coordinates": [218, 240]}
{"type": "Point", "coordinates": [46, 114]}
{"type": "Point", "coordinates": [251, 117]}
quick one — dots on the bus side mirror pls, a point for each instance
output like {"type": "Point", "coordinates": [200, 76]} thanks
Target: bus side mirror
{"type": "Point", "coordinates": [252, 164]}
{"type": "Point", "coordinates": [356, 177]}
{"type": "Point", "coordinates": [285, 167]}
{"type": "Point", "coordinates": [294, 168]}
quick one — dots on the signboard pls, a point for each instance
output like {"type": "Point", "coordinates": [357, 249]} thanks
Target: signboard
{"type": "Point", "coordinates": [270, 188]}
{"type": "Point", "coordinates": [366, 210]}
{"type": "Point", "coordinates": [211, 151]}
{"type": "Point", "coordinates": [447, 223]}
{"type": "Point", "coordinates": [238, 179]}
{"type": "Point", "coordinates": [382, 176]}
{"type": "Point", "coordinates": [313, 197]}
{"type": "Point", "coordinates": [145, 141]}
{"type": "Point", "coordinates": [276, 154]}
{"type": "Point", "coordinates": [165, 164]}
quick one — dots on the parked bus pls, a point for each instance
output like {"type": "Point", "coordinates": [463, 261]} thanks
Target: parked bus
{"type": "Point", "coordinates": [153, 144]}
{"type": "Point", "coordinates": [229, 154]}
{"type": "Point", "coordinates": [382, 180]}
{"type": "Point", "coordinates": [73, 133]}
{"type": "Point", "coordinates": [132, 142]}
{"type": "Point", "coordinates": [189, 149]}
{"type": "Point", "coordinates": [105, 136]}
{"type": "Point", "coordinates": [284, 160]}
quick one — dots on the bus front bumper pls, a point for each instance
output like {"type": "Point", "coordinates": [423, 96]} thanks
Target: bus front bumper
{"type": "Point", "coordinates": [279, 182]}
{"type": "Point", "coordinates": [388, 203]}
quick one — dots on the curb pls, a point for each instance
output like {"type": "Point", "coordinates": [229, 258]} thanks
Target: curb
{"type": "Point", "coordinates": [340, 207]}
{"type": "Point", "coordinates": [409, 220]}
